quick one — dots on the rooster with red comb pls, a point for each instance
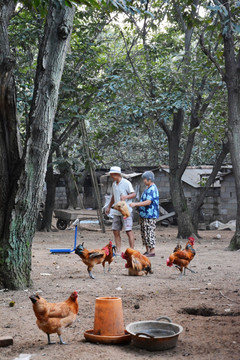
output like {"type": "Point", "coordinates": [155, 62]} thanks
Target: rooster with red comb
{"type": "Point", "coordinates": [95, 256]}
{"type": "Point", "coordinates": [110, 250]}
{"type": "Point", "coordinates": [182, 258]}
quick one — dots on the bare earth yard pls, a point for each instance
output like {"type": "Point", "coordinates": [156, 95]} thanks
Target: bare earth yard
{"type": "Point", "coordinates": [162, 293]}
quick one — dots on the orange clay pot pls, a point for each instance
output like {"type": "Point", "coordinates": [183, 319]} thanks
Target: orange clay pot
{"type": "Point", "coordinates": [108, 317]}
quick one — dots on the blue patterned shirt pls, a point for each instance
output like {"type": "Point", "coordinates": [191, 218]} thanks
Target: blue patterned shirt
{"type": "Point", "coordinates": [151, 211]}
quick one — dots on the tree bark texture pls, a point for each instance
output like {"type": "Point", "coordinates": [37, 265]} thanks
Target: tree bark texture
{"type": "Point", "coordinates": [9, 140]}
{"type": "Point", "coordinates": [232, 78]}
{"type": "Point", "coordinates": [179, 201]}
{"type": "Point", "coordinates": [19, 225]}
{"type": "Point", "coordinates": [185, 226]}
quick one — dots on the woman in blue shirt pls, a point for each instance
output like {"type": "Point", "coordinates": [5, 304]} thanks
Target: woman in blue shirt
{"type": "Point", "coordinates": [149, 212]}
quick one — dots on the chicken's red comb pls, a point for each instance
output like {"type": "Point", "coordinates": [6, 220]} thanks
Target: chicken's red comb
{"type": "Point", "coordinates": [110, 243]}
{"type": "Point", "coordinates": [169, 263]}
{"type": "Point", "coordinates": [191, 238]}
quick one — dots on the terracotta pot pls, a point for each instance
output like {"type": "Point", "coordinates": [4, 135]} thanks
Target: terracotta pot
{"type": "Point", "coordinates": [108, 317]}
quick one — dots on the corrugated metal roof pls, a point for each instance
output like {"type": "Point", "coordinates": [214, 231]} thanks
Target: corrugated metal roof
{"type": "Point", "coordinates": [193, 176]}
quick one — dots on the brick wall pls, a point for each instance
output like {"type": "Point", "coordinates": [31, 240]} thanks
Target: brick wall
{"type": "Point", "coordinates": [60, 198]}
{"type": "Point", "coordinates": [211, 209]}
{"type": "Point", "coordinates": [228, 198]}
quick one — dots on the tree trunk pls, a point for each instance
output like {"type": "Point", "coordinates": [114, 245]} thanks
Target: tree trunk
{"type": "Point", "coordinates": [19, 227]}
{"type": "Point", "coordinates": [232, 78]}
{"type": "Point", "coordinates": [234, 138]}
{"type": "Point", "coordinates": [50, 197]}
{"type": "Point", "coordinates": [195, 216]}
{"type": "Point", "coordinates": [185, 228]}
{"type": "Point", "coordinates": [9, 140]}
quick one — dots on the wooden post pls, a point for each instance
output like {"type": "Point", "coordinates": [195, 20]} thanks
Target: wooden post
{"type": "Point", "coordinates": [92, 173]}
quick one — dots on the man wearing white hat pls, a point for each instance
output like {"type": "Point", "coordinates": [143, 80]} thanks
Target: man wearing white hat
{"type": "Point", "coordinates": [122, 190]}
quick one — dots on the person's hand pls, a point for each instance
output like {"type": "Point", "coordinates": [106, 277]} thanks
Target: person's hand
{"type": "Point", "coordinates": [132, 205]}
{"type": "Point", "coordinates": [123, 197]}
{"type": "Point", "coordinates": [107, 211]}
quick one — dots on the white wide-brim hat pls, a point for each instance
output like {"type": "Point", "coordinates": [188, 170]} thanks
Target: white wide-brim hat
{"type": "Point", "coordinates": [115, 170]}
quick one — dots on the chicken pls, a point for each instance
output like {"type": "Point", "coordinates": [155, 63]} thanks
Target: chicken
{"type": "Point", "coordinates": [110, 248]}
{"type": "Point", "coordinates": [123, 208]}
{"type": "Point", "coordinates": [137, 264]}
{"type": "Point", "coordinates": [182, 258]}
{"type": "Point", "coordinates": [53, 317]}
{"type": "Point", "coordinates": [93, 257]}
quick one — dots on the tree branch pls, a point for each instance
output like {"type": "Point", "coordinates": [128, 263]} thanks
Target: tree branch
{"type": "Point", "coordinates": [165, 128]}
{"type": "Point", "coordinates": [132, 64]}
{"type": "Point", "coordinates": [217, 166]}
{"type": "Point", "coordinates": [179, 12]}
{"type": "Point", "coordinates": [174, 140]}
{"type": "Point", "coordinates": [208, 100]}
{"type": "Point", "coordinates": [196, 118]}
{"type": "Point", "coordinates": [211, 57]}
{"type": "Point", "coordinates": [67, 132]}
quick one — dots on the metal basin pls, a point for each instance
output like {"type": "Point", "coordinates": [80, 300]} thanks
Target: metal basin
{"type": "Point", "coordinates": [155, 335]}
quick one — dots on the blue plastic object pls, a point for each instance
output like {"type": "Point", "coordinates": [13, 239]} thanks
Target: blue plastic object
{"type": "Point", "coordinates": [67, 251]}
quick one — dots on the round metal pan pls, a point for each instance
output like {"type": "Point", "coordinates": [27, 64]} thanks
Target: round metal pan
{"type": "Point", "coordinates": [155, 335]}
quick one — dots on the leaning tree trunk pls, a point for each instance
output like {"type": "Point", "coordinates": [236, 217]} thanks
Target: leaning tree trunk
{"type": "Point", "coordinates": [185, 227]}
{"type": "Point", "coordinates": [232, 71]}
{"type": "Point", "coordinates": [19, 229]}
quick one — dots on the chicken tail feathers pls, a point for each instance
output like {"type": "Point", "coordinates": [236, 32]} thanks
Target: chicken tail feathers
{"type": "Point", "coordinates": [177, 248]}
{"type": "Point", "coordinates": [34, 298]}
{"type": "Point", "coordinates": [148, 269]}
{"type": "Point", "coordinates": [95, 254]}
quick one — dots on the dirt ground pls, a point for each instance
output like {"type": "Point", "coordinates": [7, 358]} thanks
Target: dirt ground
{"type": "Point", "coordinates": [211, 330]}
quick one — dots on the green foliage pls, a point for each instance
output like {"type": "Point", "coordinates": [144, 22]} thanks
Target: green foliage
{"type": "Point", "coordinates": [127, 113]}
{"type": "Point", "coordinates": [41, 6]}
{"type": "Point", "coordinates": [226, 15]}
{"type": "Point", "coordinates": [122, 102]}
